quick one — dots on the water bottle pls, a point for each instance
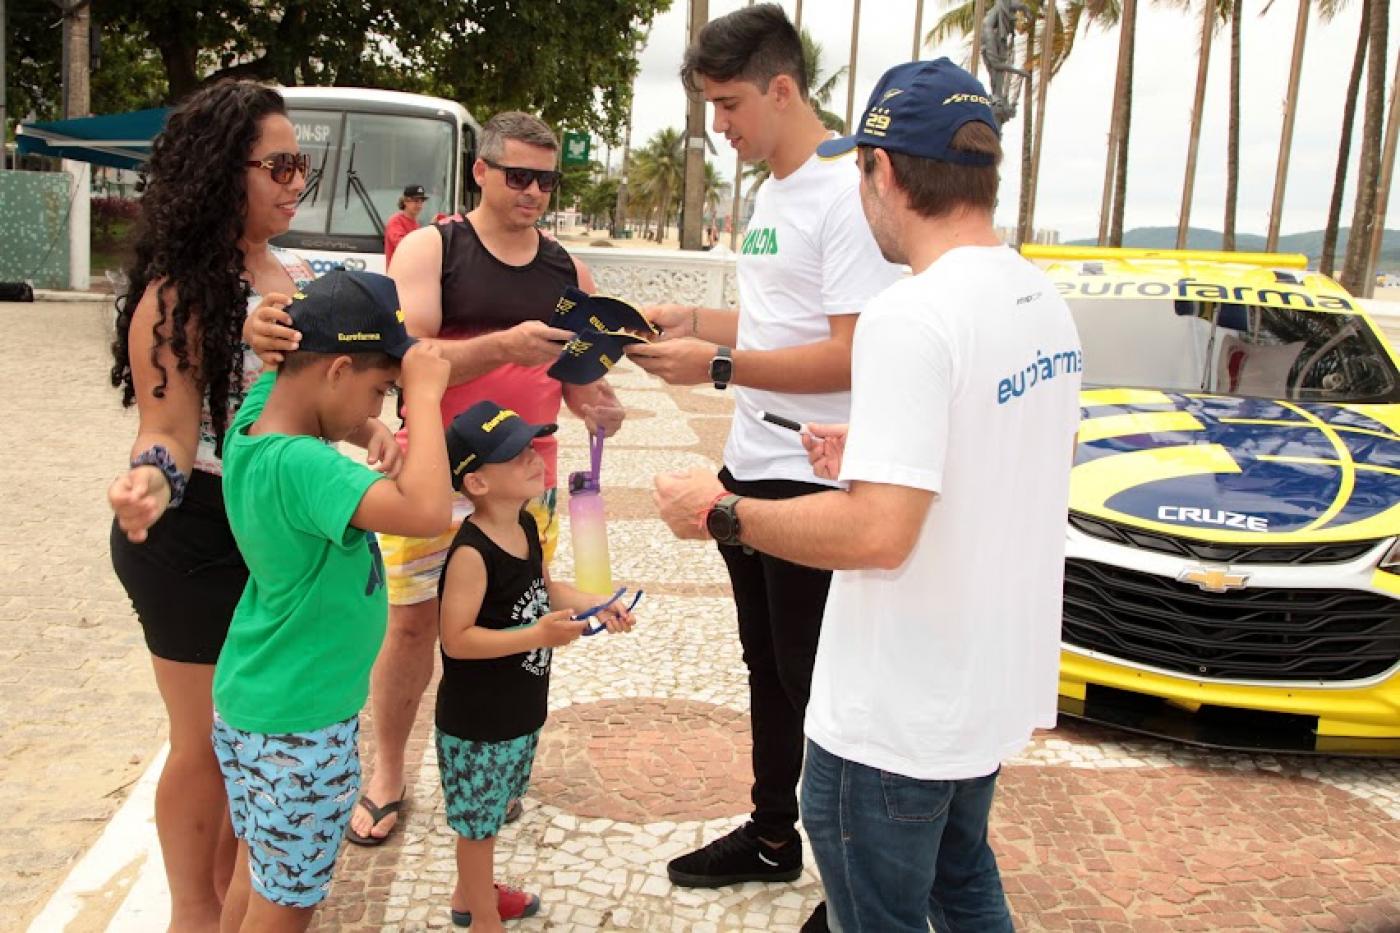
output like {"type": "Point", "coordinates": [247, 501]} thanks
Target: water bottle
{"type": "Point", "coordinates": [588, 527]}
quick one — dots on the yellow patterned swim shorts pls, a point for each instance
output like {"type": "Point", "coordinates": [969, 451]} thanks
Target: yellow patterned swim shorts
{"type": "Point", "coordinates": [413, 565]}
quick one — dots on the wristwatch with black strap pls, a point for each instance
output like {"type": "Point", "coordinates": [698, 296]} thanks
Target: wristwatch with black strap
{"type": "Point", "coordinates": [722, 521]}
{"type": "Point", "coordinates": [722, 367]}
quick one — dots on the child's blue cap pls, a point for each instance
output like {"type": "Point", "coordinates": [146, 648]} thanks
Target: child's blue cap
{"type": "Point", "coordinates": [917, 108]}
{"type": "Point", "coordinates": [350, 312]}
{"type": "Point", "coordinates": [488, 433]}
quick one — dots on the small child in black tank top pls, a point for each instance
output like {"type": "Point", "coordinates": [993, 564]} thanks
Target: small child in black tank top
{"type": "Point", "coordinates": [501, 618]}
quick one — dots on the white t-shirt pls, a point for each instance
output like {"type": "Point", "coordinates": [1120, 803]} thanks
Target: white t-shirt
{"type": "Point", "coordinates": [966, 384]}
{"type": "Point", "coordinates": [808, 254]}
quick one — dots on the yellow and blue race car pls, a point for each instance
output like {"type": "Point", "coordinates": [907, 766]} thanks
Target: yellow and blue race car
{"type": "Point", "coordinates": [1233, 550]}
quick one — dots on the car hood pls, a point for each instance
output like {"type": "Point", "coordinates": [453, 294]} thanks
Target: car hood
{"type": "Point", "coordinates": [1222, 468]}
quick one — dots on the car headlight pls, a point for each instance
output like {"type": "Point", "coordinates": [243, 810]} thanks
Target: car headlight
{"type": "Point", "coordinates": [1391, 560]}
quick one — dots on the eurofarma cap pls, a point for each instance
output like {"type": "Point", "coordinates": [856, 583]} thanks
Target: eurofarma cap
{"type": "Point", "coordinates": [350, 312]}
{"type": "Point", "coordinates": [917, 108]}
{"type": "Point", "coordinates": [488, 433]}
{"type": "Point", "coordinates": [602, 327]}
{"type": "Point", "coordinates": [414, 191]}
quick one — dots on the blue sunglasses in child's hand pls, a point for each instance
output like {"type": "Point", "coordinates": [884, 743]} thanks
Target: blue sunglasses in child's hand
{"type": "Point", "coordinates": [597, 627]}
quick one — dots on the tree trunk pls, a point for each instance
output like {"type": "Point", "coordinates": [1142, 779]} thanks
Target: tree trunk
{"type": "Point", "coordinates": [1290, 113]}
{"type": "Point", "coordinates": [1125, 123]}
{"type": "Point", "coordinates": [1188, 186]}
{"type": "Point", "coordinates": [1232, 155]}
{"type": "Point", "coordinates": [1392, 136]}
{"type": "Point", "coordinates": [1368, 172]}
{"type": "Point", "coordinates": [1339, 183]}
{"type": "Point", "coordinates": [1023, 232]}
{"type": "Point", "coordinates": [1116, 133]}
{"type": "Point", "coordinates": [1047, 54]}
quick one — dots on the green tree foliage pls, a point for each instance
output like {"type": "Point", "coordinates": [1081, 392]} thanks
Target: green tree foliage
{"type": "Point", "coordinates": [656, 177]}
{"type": "Point", "coordinates": [572, 63]}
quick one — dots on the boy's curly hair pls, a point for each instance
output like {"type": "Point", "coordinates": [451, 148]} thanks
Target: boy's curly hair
{"type": "Point", "coordinates": [192, 213]}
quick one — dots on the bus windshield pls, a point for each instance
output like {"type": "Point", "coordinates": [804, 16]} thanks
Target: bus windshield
{"type": "Point", "coordinates": [360, 164]}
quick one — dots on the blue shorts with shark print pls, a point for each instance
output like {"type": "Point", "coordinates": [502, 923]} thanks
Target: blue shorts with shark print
{"type": "Point", "coordinates": [480, 779]}
{"type": "Point", "coordinates": [290, 798]}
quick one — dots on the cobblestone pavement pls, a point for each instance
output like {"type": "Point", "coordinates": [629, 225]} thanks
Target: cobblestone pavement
{"type": "Point", "coordinates": [646, 752]}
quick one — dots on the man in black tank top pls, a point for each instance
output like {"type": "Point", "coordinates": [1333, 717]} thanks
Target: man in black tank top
{"type": "Point", "coordinates": [481, 288]}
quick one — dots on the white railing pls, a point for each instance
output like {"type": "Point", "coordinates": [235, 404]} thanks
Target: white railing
{"type": "Point", "coordinates": [1387, 315]}
{"type": "Point", "coordinates": [654, 276]}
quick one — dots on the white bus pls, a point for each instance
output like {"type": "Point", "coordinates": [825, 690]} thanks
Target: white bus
{"type": "Point", "coordinates": [365, 147]}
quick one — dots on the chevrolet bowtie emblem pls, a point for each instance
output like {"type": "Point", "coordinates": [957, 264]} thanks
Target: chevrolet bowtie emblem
{"type": "Point", "coordinates": [1214, 579]}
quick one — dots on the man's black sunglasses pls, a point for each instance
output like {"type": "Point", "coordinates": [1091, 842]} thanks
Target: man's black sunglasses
{"type": "Point", "coordinates": [283, 165]}
{"type": "Point", "coordinates": [520, 178]}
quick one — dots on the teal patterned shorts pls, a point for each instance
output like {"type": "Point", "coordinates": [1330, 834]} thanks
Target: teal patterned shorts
{"type": "Point", "coordinates": [480, 779]}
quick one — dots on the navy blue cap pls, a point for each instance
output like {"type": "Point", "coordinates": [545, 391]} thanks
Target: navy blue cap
{"type": "Point", "coordinates": [350, 312]}
{"type": "Point", "coordinates": [602, 327]}
{"type": "Point", "coordinates": [415, 191]}
{"type": "Point", "coordinates": [488, 433]}
{"type": "Point", "coordinates": [917, 108]}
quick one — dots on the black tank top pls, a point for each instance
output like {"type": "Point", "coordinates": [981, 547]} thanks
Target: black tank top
{"type": "Point", "coordinates": [495, 699]}
{"type": "Point", "coordinates": [481, 294]}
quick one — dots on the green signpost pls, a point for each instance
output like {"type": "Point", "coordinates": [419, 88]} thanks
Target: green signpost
{"type": "Point", "coordinates": [576, 148]}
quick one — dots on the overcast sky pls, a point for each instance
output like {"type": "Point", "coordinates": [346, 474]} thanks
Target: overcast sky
{"type": "Point", "coordinates": [1076, 125]}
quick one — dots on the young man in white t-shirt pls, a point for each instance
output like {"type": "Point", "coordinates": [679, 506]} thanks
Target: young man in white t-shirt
{"type": "Point", "coordinates": [807, 265]}
{"type": "Point", "coordinates": [940, 644]}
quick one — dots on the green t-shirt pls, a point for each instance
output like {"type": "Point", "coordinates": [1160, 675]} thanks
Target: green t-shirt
{"type": "Point", "coordinates": [312, 616]}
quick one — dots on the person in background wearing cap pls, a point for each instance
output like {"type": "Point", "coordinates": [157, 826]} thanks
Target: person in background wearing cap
{"type": "Point", "coordinates": [502, 617]}
{"type": "Point", "coordinates": [294, 670]}
{"type": "Point", "coordinates": [481, 288]}
{"type": "Point", "coordinates": [938, 656]}
{"type": "Point", "coordinates": [405, 221]}
{"type": "Point", "coordinates": [807, 266]}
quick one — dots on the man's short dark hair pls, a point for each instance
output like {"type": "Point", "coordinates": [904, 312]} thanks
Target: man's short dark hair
{"type": "Point", "coordinates": [754, 44]}
{"type": "Point", "coordinates": [937, 188]}
{"type": "Point", "coordinates": [512, 124]}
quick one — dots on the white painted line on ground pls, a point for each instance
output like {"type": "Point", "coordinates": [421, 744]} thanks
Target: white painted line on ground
{"type": "Point", "coordinates": [130, 837]}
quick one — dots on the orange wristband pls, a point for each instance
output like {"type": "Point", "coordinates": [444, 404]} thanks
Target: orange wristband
{"type": "Point", "coordinates": [705, 512]}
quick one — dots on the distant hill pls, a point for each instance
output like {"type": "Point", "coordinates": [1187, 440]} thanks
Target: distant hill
{"type": "Point", "coordinates": [1309, 244]}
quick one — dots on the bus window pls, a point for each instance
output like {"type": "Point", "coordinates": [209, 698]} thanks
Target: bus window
{"type": "Point", "coordinates": [318, 135]}
{"type": "Point", "coordinates": [386, 153]}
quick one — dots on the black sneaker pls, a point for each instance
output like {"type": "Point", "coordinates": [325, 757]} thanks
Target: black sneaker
{"type": "Point", "coordinates": [817, 922]}
{"type": "Point", "coordinates": [739, 856]}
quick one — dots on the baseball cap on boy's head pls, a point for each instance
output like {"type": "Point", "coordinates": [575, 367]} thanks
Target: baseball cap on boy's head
{"type": "Point", "coordinates": [917, 108]}
{"type": "Point", "coordinates": [488, 433]}
{"type": "Point", "coordinates": [415, 191]}
{"type": "Point", "coordinates": [350, 312]}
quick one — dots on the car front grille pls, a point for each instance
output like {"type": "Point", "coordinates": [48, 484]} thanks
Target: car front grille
{"type": "Point", "coordinates": [1262, 633]}
{"type": "Point", "coordinates": [1336, 552]}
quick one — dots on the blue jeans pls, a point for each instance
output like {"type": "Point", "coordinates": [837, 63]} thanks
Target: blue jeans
{"type": "Point", "coordinates": [895, 852]}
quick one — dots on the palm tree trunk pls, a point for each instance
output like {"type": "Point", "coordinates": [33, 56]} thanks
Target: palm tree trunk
{"type": "Point", "coordinates": [1232, 155]}
{"type": "Point", "coordinates": [1339, 183]}
{"type": "Point", "coordinates": [979, 10]}
{"type": "Point", "coordinates": [1047, 53]}
{"type": "Point", "coordinates": [1392, 125]}
{"type": "Point", "coordinates": [1024, 234]}
{"type": "Point", "coordinates": [918, 29]}
{"type": "Point", "coordinates": [1209, 11]}
{"type": "Point", "coordinates": [1121, 82]}
{"type": "Point", "coordinates": [1125, 122]}
{"type": "Point", "coordinates": [851, 74]}
{"type": "Point", "coordinates": [1368, 172]}
{"type": "Point", "coordinates": [1290, 112]}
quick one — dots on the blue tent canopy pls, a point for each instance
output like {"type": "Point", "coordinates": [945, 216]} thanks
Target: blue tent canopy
{"type": "Point", "coordinates": [117, 140]}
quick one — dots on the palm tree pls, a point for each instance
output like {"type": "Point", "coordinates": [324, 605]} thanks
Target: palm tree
{"type": "Point", "coordinates": [1339, 181]}
{"type": "Point", "coordinates": [1368, 172]}
{"type": "Point", "coordinates": [715, 188]}
{"type": "Point", "coordinates": [1290, 112]}
{"type": "Point", "coordinates": [1210, 15]}
{"type": "Point", "coordinates": [1232, 155]}
{"type": "Point", "coordinates": [661, 173]}
{"type": "Point", "coordinates": [820, 88]}
{"type": "Point", "coordinates": [1115, 186]}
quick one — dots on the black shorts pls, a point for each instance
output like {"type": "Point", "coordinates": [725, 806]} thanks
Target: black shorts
{"type": "Point", "coordinates": [186, 578]}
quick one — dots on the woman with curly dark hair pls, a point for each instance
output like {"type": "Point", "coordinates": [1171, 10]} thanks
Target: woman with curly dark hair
{"type": "Point", "coordinates": [224, 178]}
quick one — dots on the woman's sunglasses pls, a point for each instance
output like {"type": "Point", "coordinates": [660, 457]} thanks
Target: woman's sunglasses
{"type": "Point", "coordinates": [283, 165]}
{"type": "Point", "coordinates": [520, 178]}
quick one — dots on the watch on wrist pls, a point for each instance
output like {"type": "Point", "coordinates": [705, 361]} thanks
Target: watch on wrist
{"type": "Point", "coordinates": [722, 367]}
{"type": "Point", "coordinates": [722, 521]}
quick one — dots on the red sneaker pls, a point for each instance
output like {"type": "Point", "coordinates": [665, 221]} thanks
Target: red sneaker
{"type": "Point", "coordinates": [511, 904]}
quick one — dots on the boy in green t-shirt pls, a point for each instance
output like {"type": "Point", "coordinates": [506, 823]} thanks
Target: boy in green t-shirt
{"type": "Point", "coordinates": [294, 672]}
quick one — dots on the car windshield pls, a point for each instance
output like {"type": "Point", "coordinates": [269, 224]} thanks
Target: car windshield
{"type": "Point", "coordinates": [1233, 349]}
{"type": "Point", "coordinates": [360, 164]}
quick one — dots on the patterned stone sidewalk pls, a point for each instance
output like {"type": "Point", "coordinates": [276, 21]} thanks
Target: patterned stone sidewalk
{"type": "Point", "coordinates": [646, 752]}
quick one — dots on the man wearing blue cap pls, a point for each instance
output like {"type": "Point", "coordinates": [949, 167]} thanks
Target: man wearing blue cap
{"type": "Point", "coordinates": [940, 644]}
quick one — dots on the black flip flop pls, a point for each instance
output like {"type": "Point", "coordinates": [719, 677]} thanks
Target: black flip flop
{"type": "Point", "coordinates": [378, 812]}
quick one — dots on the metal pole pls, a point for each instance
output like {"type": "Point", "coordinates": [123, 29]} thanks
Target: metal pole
{"type": "Point", "coordinates": [797, 19]}
{"type": "Point", "coordinates": [918, 29]}
{"type": "Point", "coordinates": [979, 10]}
{"type": "Point", "coordinates": [851, 71]}
{"type": "Point", "coordinates": [693, 194]}
{"type": "Point", "coordinates": [1290, 112]}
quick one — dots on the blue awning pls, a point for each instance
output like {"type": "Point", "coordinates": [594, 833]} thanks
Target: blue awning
{"type": "Point", "coordinates": [117, 140]}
